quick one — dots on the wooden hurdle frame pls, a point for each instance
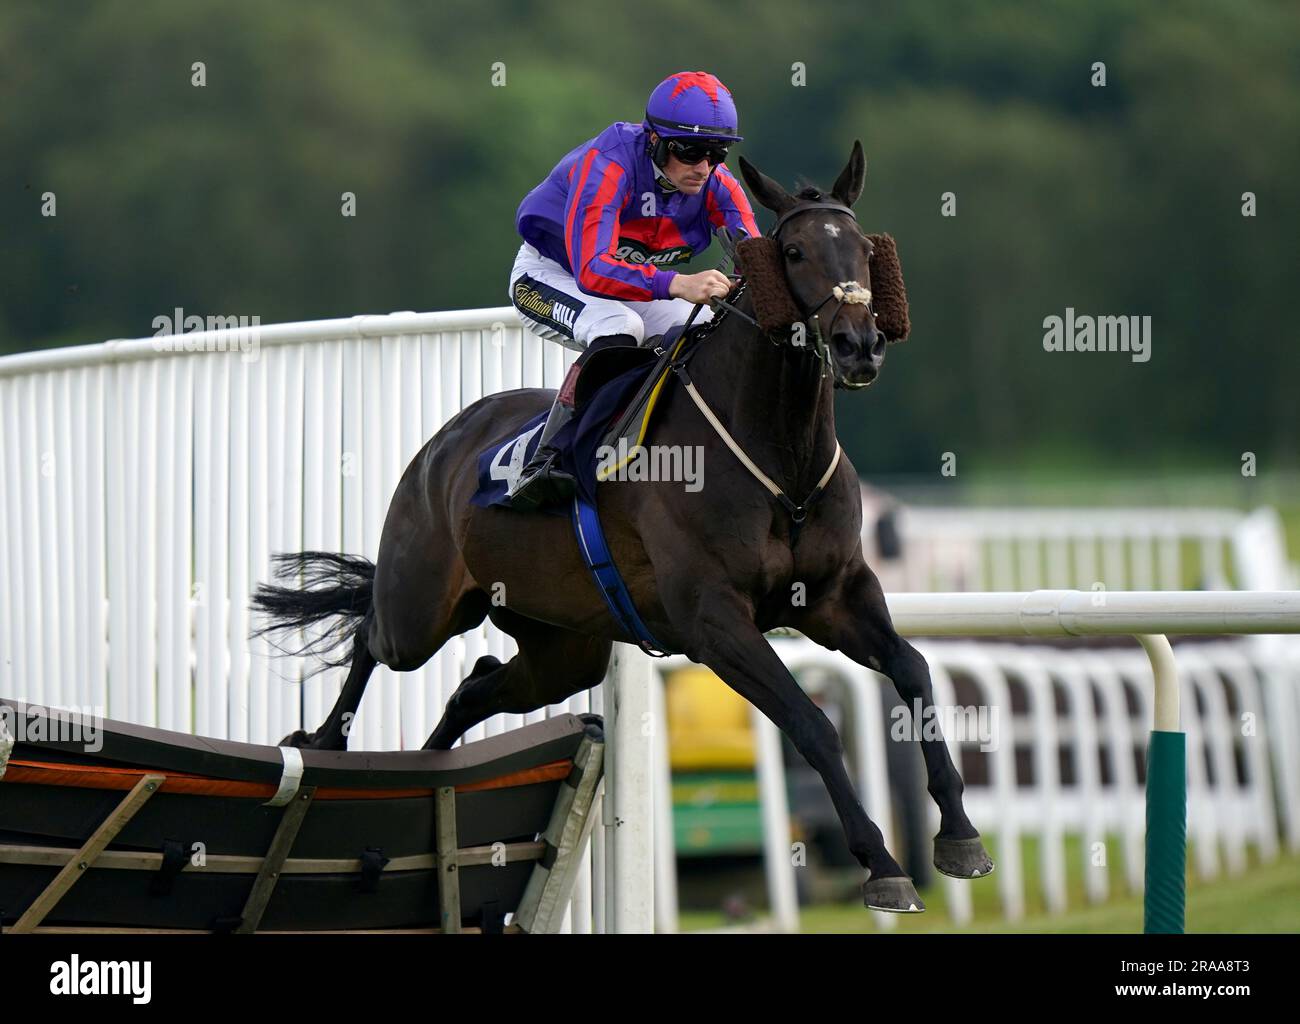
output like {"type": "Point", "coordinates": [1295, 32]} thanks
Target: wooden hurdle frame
{"type": "Point", "coordinates": [564, 755]}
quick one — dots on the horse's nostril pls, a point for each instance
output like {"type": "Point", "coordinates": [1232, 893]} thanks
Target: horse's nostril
{"type": "Point", "coordinates": [877, 347]}
{"type": "Point", "coordinates": [845, 345]}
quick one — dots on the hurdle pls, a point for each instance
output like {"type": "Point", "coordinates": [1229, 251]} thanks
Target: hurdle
{"type": "Point", "coordinates": [1147, 616]}
{"type": "Point", "coordinates": [111, 827]}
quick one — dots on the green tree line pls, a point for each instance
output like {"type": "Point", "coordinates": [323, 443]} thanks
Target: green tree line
{"type": "Point", "coordinates": [1122, 199]}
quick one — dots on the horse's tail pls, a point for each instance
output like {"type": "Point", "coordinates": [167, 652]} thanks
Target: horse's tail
{"type": "Point", "coordinates": [334, 586]}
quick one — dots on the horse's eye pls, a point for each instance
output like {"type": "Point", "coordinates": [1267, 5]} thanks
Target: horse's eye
{"type": "Point", "coordinates": [793, 253]}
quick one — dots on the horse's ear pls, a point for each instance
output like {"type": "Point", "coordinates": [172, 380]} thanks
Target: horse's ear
{"type": "Point", "coordinates": [888, 294]}
{"type": "Point", "coordinates": [769, 193]}
{"type": "Point", "coordinates": [848, 186]}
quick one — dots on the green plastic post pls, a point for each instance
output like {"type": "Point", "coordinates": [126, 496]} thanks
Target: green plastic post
{"type": "Point", "coordinates": [1166, 833]}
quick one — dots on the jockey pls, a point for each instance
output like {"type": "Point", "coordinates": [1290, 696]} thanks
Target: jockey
{"type": "Point", "coordinates": [602, 230]}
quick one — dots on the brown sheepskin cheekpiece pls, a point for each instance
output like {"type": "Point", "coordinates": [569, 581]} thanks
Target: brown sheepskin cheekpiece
{"type": "Point", "coordinates": [759, 260]}
{"type": "Point", "coordinates": [888, 295]}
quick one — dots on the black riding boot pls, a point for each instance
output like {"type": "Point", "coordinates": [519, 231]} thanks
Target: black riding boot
{"type": "Point", "coordinates": [542, 481]}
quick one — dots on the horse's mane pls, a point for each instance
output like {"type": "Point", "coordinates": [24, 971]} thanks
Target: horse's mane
{"type": "Point", "coordinates": [808, 191]}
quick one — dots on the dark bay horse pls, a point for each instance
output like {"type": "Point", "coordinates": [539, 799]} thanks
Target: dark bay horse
{"type": "Point", "coordinates": [709, 570]}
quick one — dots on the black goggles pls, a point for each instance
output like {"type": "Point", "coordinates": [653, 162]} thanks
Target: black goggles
{"type": "Point", "coordinates": [694, 152]}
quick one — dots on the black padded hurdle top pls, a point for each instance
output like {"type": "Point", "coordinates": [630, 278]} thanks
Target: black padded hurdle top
{"type": "Point", "coordinates": [364, 854]}
{"type": "Point", "coordinates": [144, 747]}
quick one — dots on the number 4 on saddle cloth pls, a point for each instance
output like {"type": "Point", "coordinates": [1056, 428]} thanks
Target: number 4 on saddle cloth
{"type": "Point", "coordinates": [617, 405]}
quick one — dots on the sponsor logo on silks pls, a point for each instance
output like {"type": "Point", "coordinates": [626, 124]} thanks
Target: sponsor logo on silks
{"type": "Point", "coordinates": [631, 251]}
{"type": "Point", "coordinates": [544, 304]}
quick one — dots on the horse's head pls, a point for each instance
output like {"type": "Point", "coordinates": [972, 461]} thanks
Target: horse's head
{"type": "Point", "coordinates": [817, 268]}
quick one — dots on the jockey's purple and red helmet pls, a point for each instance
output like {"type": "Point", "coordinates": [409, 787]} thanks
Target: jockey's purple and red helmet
{"type": "Point", "coordinates": [692, 103]}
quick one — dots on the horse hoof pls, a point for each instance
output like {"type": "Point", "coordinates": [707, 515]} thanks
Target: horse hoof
{"type": "Point", "coordinates": [894, 895]}
{"type": "Point", "coordinates": [962, 858]}
{"type": "Point", "coordinates": [308, 741]}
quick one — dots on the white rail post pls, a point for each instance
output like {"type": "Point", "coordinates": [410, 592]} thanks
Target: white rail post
{"type": "Point", "coordinates": [777, 863]}
{"type": "Point", "coordinates": [665, 846]}
{"type": "Point", "coordinates": [628, 814]}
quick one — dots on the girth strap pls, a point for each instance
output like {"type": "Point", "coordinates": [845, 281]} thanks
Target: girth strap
{"type": "Point", "coordinates": [609, 581]}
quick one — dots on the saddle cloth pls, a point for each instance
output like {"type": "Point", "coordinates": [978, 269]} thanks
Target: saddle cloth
{"type": "Point", "coordinates": [621, 405]}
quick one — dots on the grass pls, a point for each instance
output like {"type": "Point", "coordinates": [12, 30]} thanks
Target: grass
{"type": "Point", "coordinates": [1266, 898]}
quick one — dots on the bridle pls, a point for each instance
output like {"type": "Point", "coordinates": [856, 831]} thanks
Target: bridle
{"type": "Point", "coordinates": [844, 293]}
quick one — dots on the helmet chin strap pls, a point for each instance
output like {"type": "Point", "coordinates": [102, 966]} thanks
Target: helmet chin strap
{"type": "Point", "coordinates": [661, 179]}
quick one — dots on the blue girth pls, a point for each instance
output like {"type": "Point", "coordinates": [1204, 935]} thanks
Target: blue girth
{"type": "Point", "coordinates": [595, 552]}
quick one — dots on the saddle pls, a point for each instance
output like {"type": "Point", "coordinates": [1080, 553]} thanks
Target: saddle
{"type": "Point", "coordinates": [616, 397]}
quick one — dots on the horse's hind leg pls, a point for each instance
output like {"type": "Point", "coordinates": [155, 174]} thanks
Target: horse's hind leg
{"type": "Point", "coordinates": [552, 665]}
{"type": "Point", "coordinates": [333, 734]}
{"type": "Point", "coordinates": [407, 642]}
{"type": "Point", "coordinates": [421, 598]}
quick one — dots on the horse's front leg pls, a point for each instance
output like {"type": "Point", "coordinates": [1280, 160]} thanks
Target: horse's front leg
{"type": "Point", "coordinates": [854, 618]}
{"type": "Point", "coordinates": [725, 638]}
